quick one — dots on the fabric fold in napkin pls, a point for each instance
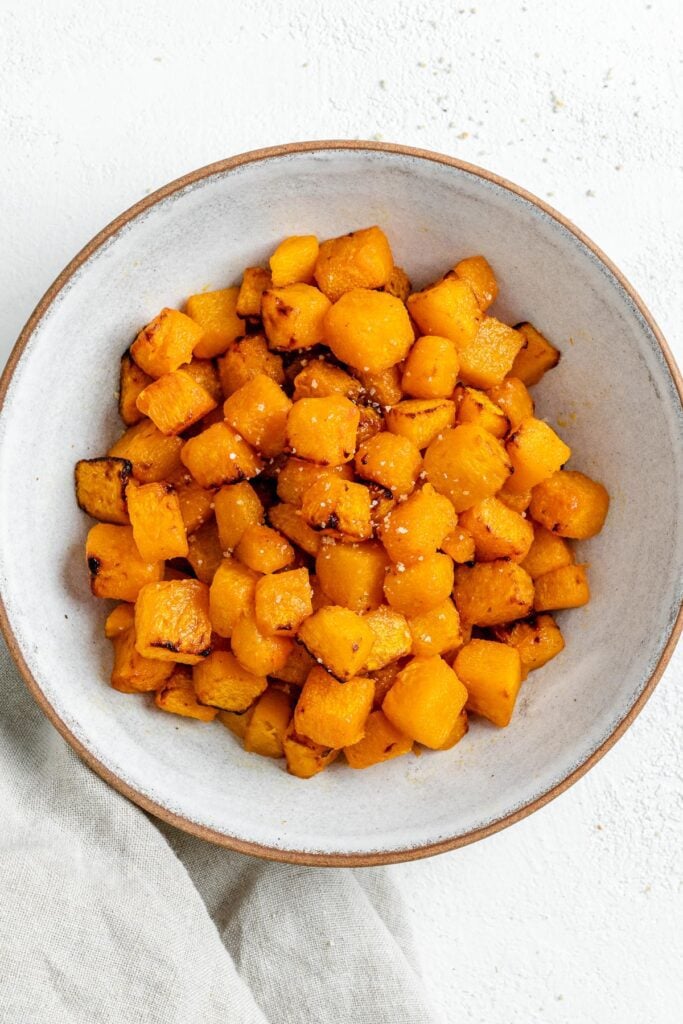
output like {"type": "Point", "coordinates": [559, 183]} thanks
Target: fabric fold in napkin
{"type": "Point", "coordinates": [108, 915]}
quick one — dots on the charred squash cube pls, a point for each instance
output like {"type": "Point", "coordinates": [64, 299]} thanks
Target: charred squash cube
{"type": "Point", "coordinates": [294, 316]}
{"type": "Point", "coordinates": [172, 621]}
{"type": "Point", "coordinates": [177, 696]}
{"type": "Point", "coordinates": [337, 506]}
{"type": "Point", "coordinates": [477, 407]}
{"type": "Point", "coordinates": [220, 456]}
{"type": "Point", "coordinates": [498, 531]}
{"type": "Point", "coordinates": [535, 358]}
{"type": "Point", "coordinates": [297, 475]}
{"type": "Point", "coordinates": [421, 419]}
{"type": "Point", "coordinates": [205, 552]}
{"type": "Point", "coordinates": [389, 460]}
{"type": "Point", "coordinates": [288, 520]}
{"type": "Point", "coordinates": [537, 640]}
{"type": "Point", "coordinates": [101, 488]}
{"type": "Point", "coordinates": [535, 452]}
{"type": "Point", "coordinates": [117, 570]}
{"type": "Point", "coordinates": [304, 757]}
{"type": "Point", "coordinates": [361, 259]}
{"type": "Point", "coordinates": [216, 314]}
{"type": "Point", "coordinates": [152, 455]}
{"type": "Point", "coordinates": [132, 380]}
{"type": "Point", "coordinates": [166, 343]}
{"type": "Point", "coordinates": [319, 379]}
{"type": "Point", "coordinates": [221, 682]}
{"type": "Point", "coordinates": [245, 359]}
{"type": "Point", "coordinates": [131, 672]}
{"type": "Point", "coordinates": [333, 713]}
{"type": "Point", "coordinates": [338, 639]}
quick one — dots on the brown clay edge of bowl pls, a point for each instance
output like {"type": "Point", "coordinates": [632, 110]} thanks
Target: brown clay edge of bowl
{"type": "Point", "coordinates": [257, 849]}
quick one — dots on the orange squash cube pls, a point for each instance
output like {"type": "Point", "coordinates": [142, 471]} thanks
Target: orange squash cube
{"type": "Point", "coordinates": [398, 284]}
{"type": "Point", "coordinates": [304, 757]}
{"type": "Point", "coordinates": [258, 411]}
{"type": "Point", "coordinates": [448, 309]}
{"type": "Point", "coordinates": [255, 280]}
{"type": "Point", "coordinates": [319, 379]}
{"type": "Point", "coordinates": [419, 587]}
{"type": "Point", "coordinates": [489, 593]}
{"type": "Point", "coordinates": [488, 358]}
{"type": "Point", "coordinates": [294, 316]}
{"type": "Point", "coordinates": [537, 640]}
{"type": "Point", "coordinates": [131, 672]}
{"type": "Point", "coordinates": [566, 587]}
{"type": "Point", "coordinates": [361, 259]}
{"type": "Point", "coordinates": [153, 456]}
{"type": "Point", "coordinates": [297, 475]}
{"type": "Point", "coordinates": [219, 456]}
{"type": "Point", "coordinates": [421, 419]}
{"type": "Point", "coordinates": [293, 262]}
{"type": "Point", "coordinates": [517, 501]}
{"type": "Point", "coordinates": [477, 271]}
{"type": "Point", "coordinates": [245, 359]}
{"type": "Point", "coordinates": [425, 701]}
{"type": "Point", "coordinates": [335, 506]}
{"type": "Point", "coordinates": [268, 724]}
{"type": "Point", "coordinates": [177, 696]}
{"type": "Point", "coordinates": [166, 342]}
{"type": "Point", "coordinates": [436, 631]}
{"type": "Point", "coordinates": [459, 544]}
{"type": "Point", "coordinates": [174, 402]}
{"type": "Point", "coordinates": [158, 527]}
{"type": "Point", "coordinates": [416, 528]}
{"type": "Point", "coordinates": [458, 731]}
{"type": "Point", "coordinates": [205, 373]}
{"type": "Point", "coordinates": [384, 678]}
{"type": "Point", "coordinates": [338, 639]}
{"type": "Point", "coordinates": [323, 430]}
{"type": "Point", "coordinates": [431, 369]}
{"type": "Point", "coordinates": [119, 620]}
{"type": "Point", "coordinates": [216, 314]}
{"type": "Point", "coordinates": [236, 721]}
{"type": "Point", "coordinates": [205, 552]}
{"type": "Point", "coordinates": [117, 570]}
{"type": "Point", "coordinates": [352, 575]}
{"type": "Point", "coordinates": [332, 713]}
{"type": "Point", "coordinates": [172, 621]}
{"type": "Point", "coordinates": [466, 464]}
{"type": "Point", "coordinates": [369, 331]}
{"type": "Point", "coordinates": [570, 504]}
{"type": "Point", "coordinates": [101, 488]}
{"type": "Point", "coordinates": [498, 531]}
{"type": "Point", "coordinates": [383, 388]}
{"type": "Point", "coordinates": [221, 682]}
{"type": "Point", "coordinates": [263, 549]}
{"type": "Point", "coordinates": [231, 595]}
{"type": "Point", "coordinates": [389, 460]}
{"type": "Point", "coordinates": [295, 670]}
{"type": "Point", "coordinates": [282, 602]}
{"type": "Point", "coordinates": [512, 397]}
{"type": "Point", "coordinates": [535, 452]}
{"type": "Point", "coordinates": [260, 654]}
{"type": "Point", "coordinates": [535, 358]}
{"type": "Point", "coordinates": [547, 552]}
{"type": "Point", "coordinates": [382, 742]}
{"type": "Point", "coordinates": [196, 502]}
{"type": "Point", "coordinates": [392, 639]}
{"type": "Point", "coordinates": [132, 380]}
{"type": "Point", "coordinates": [288, 520]}
{"type": "Point", "coordinates": [492, 674]}
{"type": "Point", "coordinates": [236, 506]}
{"type": "Point", "coordinates": [475, 406]}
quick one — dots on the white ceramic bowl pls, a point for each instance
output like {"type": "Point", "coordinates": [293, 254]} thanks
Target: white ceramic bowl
{"type": "Point", "coordinates": [614, 394]}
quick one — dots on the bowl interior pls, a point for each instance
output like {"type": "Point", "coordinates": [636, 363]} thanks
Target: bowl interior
{"type": "Point", "coordinates": [612, 397]}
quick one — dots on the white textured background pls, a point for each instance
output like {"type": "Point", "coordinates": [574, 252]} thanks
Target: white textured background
{"type": "Point", "coordinates": [574, 915]}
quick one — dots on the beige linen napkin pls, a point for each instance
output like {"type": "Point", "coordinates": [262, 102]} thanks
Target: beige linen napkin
{"type": "Point", "coordinates": [106, 915]}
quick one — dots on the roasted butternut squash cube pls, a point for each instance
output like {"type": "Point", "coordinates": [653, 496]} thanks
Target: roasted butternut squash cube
{"type": "Point", "coordinates": [172, 621]}
{"type": "Point", "coordinates": [459, 544]}
{"type": "Point", "coordinates": [131, 672]}
{"type": "Point", "coordinates": [119, 620]}
{"type": "Point", "coordinates": [537, 640]}
{"type": "Point", "coordinates": [205, 552]}
{"type": "Point", "coordinates": [268, 723]}
{"type": "Point", "coordinates": [513, 398]}
{"type": "Point", "coordinates": [294, 316]}
{"type": "Point", "coordinates": [320, 598]}
{"type": "Point", "coordinates": [498, 532]}
{"type": "Point", "coordinates": [383, 388]}
{"type": "Point", "coordinates": [263, 549]}
{"type": "Point", "coordinates": [282, 602]}
{"type": "Point", "coordinates": [489, 593]}
{"type": "Point", "coordinates": [337, 506]}
{"type": "Point", "coordinates": [297, 475]}
{"type": "Point", "coordinates": [458, 731]}
{"type": "Point", "coordinates": [384, 678]}
{"type": "Point", "coordinates": [390, 460]}
{"type": "Point", "coordinates": [466, 464]}
{"type": "Point", "coordinates": [236, 721]}
{"type": "Point", "coordinates": [221, 682]}
{"type": "Point", "coordinates": [382, 742]}
{"type": "Point", "coordinates": [153, 456]}
{"type": "Point", "coordinates": [293, 262]}
{"type": "Point", "coordinates": [255, 280]}
{"type": "Point", "coordinates": [421, 419]}
{"type": "Point", "coordinates": [535, 358]}
{"type": "Point", "coordinates": [492, 674]}
{"type": "Point", "coordinates": [323, 430]}
{"type": "Point", "coordinates": [158, 527]}
{"type": "Point", "coordinates": [219, 455]}
{"type": "Point", "coordinates": [101, 488]}
{"type": "Point", "coordinates": [245, 359]}
{"type": "Point", "coordinates": [566, 587]}
{"type": "Point", "coordinates": [289, 521]}
{"type": "Point", "coordinates": [117, 570]}
{"type": "Point", "coordinates": [231, 595]}
{"type": "Point", "coordinates": [398, 284]}
{"type": "Point", "coordinates": [205, 373]}
{"type": "Point", "coordinates": [535, 452]}
{"type": "Point", "coordinates": [338, 639]}
{"type": "Point", "coordinates": [319, 379]}
{"type": "Point", "coordinates": [177, 696]}
{"type": "Point", "coordinates": [370, 423]}
{"type": "Point", "coordinates": [448, 309]}
{"type": "Point", "coordinates": [352, 575]}
{"type": "Point", "coordinates": [476, 407]}
{"type": "Point", "coordinates": [295, 670]}
{"type": "Point", "coordinates": [477, 271]}
{"type": "Point", "coordinates": [175, 401]}
{"type": "Point", "coordinates": [425, 701]}
{"type": "Point", "coordinates": [368, 330]}
{"type": "Point", "coordinates": [132, 380]}
{"type": "Point", "coordinates": [436, 631]}
{"type": "Point", "coordinates": [236, 506]}
{"type": "Point", "coordinates": [216, 314]}
{"type": "Point", "coordinates": [416, 588]}
{"type": "Point", "coordinates": [166, 342]}
{"type": "Point", "coordinates": [304, 757]}
{"type": "Point", "coordinates": [431, 369]}
{"type": "Point", "coordinates": [547, 552]}
{"type": "Point", "coordinates": [260, 654]}
{"type": "Point", "coordinates": [330, 712]}
{"type": "Point", "coordinates": [570, 504]}
{"type": "Point", "coordinates": [258, 411]}
{"type": "Point", "coordinates": [416, 528]}
{"type": "Point", "coordinates": [392, 637]}
{"type": "Point", "coordinates": [361, 259]}
{"type": "Point", "coordinates": [518, 501]}
{"type": "Point", "coordinates": [488, 359]}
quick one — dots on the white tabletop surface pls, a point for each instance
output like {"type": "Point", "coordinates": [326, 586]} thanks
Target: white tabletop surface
{"type": "Point", "coordinates": [573, 915]}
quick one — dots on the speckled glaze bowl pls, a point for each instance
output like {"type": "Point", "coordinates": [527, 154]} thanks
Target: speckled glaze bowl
{"type": "Point", "coordinates": [615, 395]}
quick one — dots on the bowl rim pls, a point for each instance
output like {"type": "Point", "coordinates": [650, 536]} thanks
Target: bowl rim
{"type": "Point", "coordinates": [203, 832]}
